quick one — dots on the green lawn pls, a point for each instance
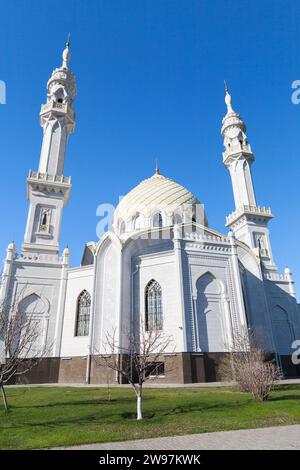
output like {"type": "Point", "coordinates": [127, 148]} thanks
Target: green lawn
{"type": "Point", "coordinates": [47, 417]}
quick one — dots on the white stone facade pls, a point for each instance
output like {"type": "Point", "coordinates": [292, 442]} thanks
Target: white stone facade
{"type": "Point", "coordinates": [210, 285]}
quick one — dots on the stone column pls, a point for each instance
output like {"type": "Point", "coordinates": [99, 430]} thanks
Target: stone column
{"type": "Point", "coordinates": [178, 267]}
{"type": "Point", "coordinates": [240, 308]}
{"type": "Point", "coordinates": [4, 286]}
{"type": "Point", "coordinates": [45, 332]}
{"type": "Point", "coordinates": [289, 277]}
{"type": "Point", "coordinates": [61, 303]}
{"type": "Point", "coordinates": [228, 321]}
{"type": "Point", "coordinates": [196, 324]}
{"type": "Point", "coordinates": [7, 270]}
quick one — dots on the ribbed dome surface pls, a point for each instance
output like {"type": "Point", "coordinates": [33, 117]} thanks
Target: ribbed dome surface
{"type": "Point", "coordinates": [152, 195]}
{"type": "Point", "coordinates": [157, 192]}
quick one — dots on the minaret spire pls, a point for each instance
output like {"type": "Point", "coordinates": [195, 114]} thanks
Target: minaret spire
{"type": "Point", "coordinates": [66, 54]}
{"type": "Point", "coordinates": [57, 116]}
{"type": "Point", "coordinates": [156, 167]}
{"type": "Point", "coordinates": [248, 221]}
{"type": "Point", "coordinates": [228, 99]}
{"type": "Point", "coordinates": [237, 156]}
{"type": "Point", "coordinates": [48, 189]}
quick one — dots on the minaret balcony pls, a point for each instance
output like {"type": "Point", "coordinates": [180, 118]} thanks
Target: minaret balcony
{"type": "Point", "coordinates": [249, 211]}
{"type": "Point", "coordinates": [36, 175]}
{"type": "Point", "coordinates": [61, 108]}
{"type": "Point", "coordinates": [237, 150]}
{"type": "Point", "coordinates": [49, 183]}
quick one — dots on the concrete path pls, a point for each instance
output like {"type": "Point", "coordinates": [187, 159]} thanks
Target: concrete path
{"type": "Point", "coordinates": [149, 384]}
{"type": "Point", "coordinates": [273, 438]}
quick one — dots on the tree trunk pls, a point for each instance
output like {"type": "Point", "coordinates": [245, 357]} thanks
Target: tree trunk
{"type": "Point", "coordinates": [139, 407]}
{"type": "Point", "coordinates": [139, 403]}
{"type": "Point", "coordinates": [4, 398]}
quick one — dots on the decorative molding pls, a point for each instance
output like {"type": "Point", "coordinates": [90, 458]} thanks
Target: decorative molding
{"type": "Point", "coordinates": [254, 213]}
{"type": "Point", "coordinates": [50, 183]}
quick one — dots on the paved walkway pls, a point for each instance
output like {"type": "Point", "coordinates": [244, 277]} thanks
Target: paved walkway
{"type": "Point", "coordinates": [149, 384]}
{"type": "Point", "coordinates": [274, 438]}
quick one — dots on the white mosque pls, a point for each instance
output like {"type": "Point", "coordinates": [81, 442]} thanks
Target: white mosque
{"type": "Point", "coordinates": [160, 265]}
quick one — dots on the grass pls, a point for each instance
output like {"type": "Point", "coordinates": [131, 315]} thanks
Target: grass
{"type": "Point", "coordinates": [55, 416]}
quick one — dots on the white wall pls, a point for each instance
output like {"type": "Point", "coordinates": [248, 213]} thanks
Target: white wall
{"type": "Point", "coordinates": [107, 291]}
{"type": "Point", "coordinates": [44, 281]}
{"type": "Point", "coordinates": [161, 268]}
{"type": "Point", "coordinates": [209, 305]}
{"type": "Point", "coordinates": [78, 280]}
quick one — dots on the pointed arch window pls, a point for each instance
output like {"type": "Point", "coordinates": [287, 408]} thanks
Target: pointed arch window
{"type": "Point", "coordinates": [157, 220]}
{"type": "Point", "coordinates": [137, 223]}
{"type": "Point", "coordinates": [44, 220]}
{"type": "Point", "coordinates": [153, 306]}
{"type": "Point", "coordinates": [83, 314]}
{"type": "Point", "coordinates": [194, 222]}
{"type": "Point", "coordinates": [177, 219]}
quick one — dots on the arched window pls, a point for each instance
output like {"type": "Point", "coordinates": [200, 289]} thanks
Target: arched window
{"type": "Point", "coordinates": [194, 226]}
{"type": "Point", "coordinates": [157, 220]}
{"type": "Point", "coordinates": [283, 330]}
{"type": "Point", "coordinates": [30, 313]}
{"type": "Point", "coordinates": [177, 219]}
{"type": "Point", "coordinates": [137, 223]}
{"type": "Point", "coordinates": [44, 220]}
{"type": "Point", "coordinates": [59, 95]}
{"type": "Point", "coordinates": [83, 314]}
{"type": "Point", "coordinates": [209, 324]}
{"type": "Point", "coordinates": [153, 306]}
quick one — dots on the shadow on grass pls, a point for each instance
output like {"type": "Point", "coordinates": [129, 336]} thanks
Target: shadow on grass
{"type": "Point", "coordinates": [52, 424]}
{"type": "Point", "coordinates": [285, 397]}
{"type": "Point", "coordinates": [133, 416]}
{"type": "Point", "coordinates": [91, 401]}
{"type": "Point", "coordinates": [119, 415]}
{"type": "Point", "coordinates": [205, 407]}
{"type": "Point", "coordinates": [96, 401]}
{"type": "Point", "coordinates": [288, 387]}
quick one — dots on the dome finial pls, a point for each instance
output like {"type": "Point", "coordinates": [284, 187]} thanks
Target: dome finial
{"type": "Point", "coordinates": [156, 167]}
{"type": "Point", "coordinates": [66, 54]}
{"type": "Point", "coordinates": [228, 99]}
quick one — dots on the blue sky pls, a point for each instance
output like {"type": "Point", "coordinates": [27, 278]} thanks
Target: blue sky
{"type": "Point", "coordinates": [150, 85]}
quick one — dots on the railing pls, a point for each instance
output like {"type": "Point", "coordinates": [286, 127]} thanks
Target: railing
{"type": "Point", "coordinates": [274, 277]}
{"type": "Point", "coordinates": [255, 210]}
{"type": "Point", "coordinates": [236, 149]}
{"type": "Point", "coordinates": [53, 105]}
{"type": "Point", "coordinates": [206, 238]}
{"type": "Point", "coordinates": [36, 175]}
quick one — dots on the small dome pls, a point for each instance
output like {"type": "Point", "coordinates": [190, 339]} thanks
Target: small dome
{"type": "Point", "coordinates": [11, 246]}
{"type": "Point", "coordinates": [287, 271]}
{"type": "Point", "coordinates": [66, 251]}
{"type": "Point", "coordinates": [156, 201]}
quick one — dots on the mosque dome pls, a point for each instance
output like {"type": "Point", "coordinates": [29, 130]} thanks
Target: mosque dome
{"type": "Point", "coordinates": [156, 202]}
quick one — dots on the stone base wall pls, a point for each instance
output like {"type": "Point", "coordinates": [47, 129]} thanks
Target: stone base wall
{"type": "Point", "coordinates": [46, 371]}
{"type": "Point", "coordinates": [180, 368]}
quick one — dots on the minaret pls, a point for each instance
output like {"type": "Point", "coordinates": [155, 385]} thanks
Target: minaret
{"type": "Point", "coordinates": [48, 189]}
{"type": "Point", "coordinates": [249, 222]}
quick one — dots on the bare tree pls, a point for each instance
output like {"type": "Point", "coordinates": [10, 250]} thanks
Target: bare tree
{"type": "Point", "coordinates": [19, 343]}
{"type": "Point", "coordinates": [139, 360]}
{"type": "Point", "coordinates": [250, 366]}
